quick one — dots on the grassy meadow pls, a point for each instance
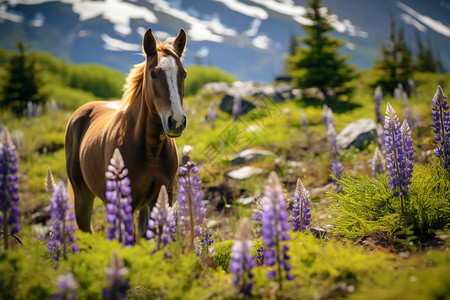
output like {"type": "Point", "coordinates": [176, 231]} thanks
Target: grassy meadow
{"type": "Point", "coordinates": [401, 265]}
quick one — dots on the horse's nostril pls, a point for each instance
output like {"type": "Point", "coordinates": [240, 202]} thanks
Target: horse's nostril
{"type": "Point", "coordinates": [171, 123]}
{"type": "Point", "coordinates": [184, 122]}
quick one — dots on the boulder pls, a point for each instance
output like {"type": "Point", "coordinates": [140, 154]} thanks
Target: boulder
{"type": "Point", "coordinates": [248, 155]}
{"type": "Point", "coordinates": [244, 173]}
{"type": "Point", "coordinates": [357, 134]}
{"type": "Point", "coordinates": [226, 105]}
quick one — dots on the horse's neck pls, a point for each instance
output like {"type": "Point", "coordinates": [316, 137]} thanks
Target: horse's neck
{"type": "Point", "coordinates": [148, 128]}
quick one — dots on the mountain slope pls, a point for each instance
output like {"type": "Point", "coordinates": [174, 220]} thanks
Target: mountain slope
{"type": "Point", "coordinates": [248, 38]}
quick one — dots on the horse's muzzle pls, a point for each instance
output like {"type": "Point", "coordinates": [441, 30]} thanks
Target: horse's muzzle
{"type": "Point", "coordinates": [172, 129]}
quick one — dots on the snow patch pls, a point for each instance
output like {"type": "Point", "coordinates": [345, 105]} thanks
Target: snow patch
{"type": "Point", "coordinates": [245, 9]}
{"type": "Point", "coordinates": [431, 23]}
{"type": "Point", "coordinates": [113, 44]}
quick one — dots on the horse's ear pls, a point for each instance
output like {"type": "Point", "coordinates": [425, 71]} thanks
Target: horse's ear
{"type": "Point", "coordinates": [149, 43]}
{"type": "Point", "coordinates": [179, 43]}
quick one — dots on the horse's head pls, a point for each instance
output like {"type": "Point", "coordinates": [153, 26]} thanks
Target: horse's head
{"type": "Point", "coordinates": [164, 77]}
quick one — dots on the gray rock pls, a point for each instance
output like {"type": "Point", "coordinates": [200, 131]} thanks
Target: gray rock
{"type": "Point", "coordinates": [226, 105]}
{"type": "Point", "coordinates": [357, 134]}
{"type": "Point", "coordinates": [248, 155]}
{"type": "Point", "coordinates": [244, 173]}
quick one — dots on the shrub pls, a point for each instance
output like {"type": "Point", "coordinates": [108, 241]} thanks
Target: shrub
{"type": "Point", "coordinates": [198, 76]}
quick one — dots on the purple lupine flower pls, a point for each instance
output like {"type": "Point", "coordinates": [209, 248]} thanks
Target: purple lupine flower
{"type": "Point", "coordinates": [162, 224]}
{"type": "Point", "coordinates": [63, 228]}
{"type": "Point", "coordinates": [417, 119]}
{"type": "Point", "coordinates": [398, 91]}
{"type": "Point", "coordinates": [304, 122]}
{"type": "Point", "coordinates": [275, 227]}
{"type": "Point", "coordinates": [399, 154]}
{"type": "Point", "coordinates": [337, 169]}
{"type": "Point", "coordinates": [377, 163]}
{"type": "Point", "coordinates": [118, 195]}
{"type": "Point", "coordinates": [408, 112]}
{"type": "Point", "coordinates": [67, 287]}
{"type": "Point", "coordinates": [333, 150]}
{"type": "Point", "coordinates": [117, 285]}
{"type": "Point", "coordinates": [260, 259]}
{"type": "Point", "coordinates": [50, 184]}
{"type": "Point", "coordinates": [381, 137]}
{"type": "Point", "coordinates": [441, 124]}
{"type": "Point", "coordinates": [212, 114]}
{"type": "Point", "coordinates": [301, 208]}
{"type": "Point", "coordinates": [242, 263]}
{"type": "Point", "coordinates": [328, 117]}
{"type": "Point", "coordinates": [9, 187]}
{"type": "Point", "coordinates": [378, 95]}
{"type": "Point", "coordinates": [190, 205]}
{"type": "Point", "coordinates": [202, 244]}
{"type": "Point", "coordinates": [237, 107]}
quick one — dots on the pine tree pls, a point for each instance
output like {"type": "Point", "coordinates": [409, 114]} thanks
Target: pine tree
{"type": "Point", "coordinates": [23, 83]}
{"type": "Point", "coordinates": [425, 59]}
{"type": "Point", "coordinates": [396, 62]}
{"type": "Point", "coordinates": [318, 63]}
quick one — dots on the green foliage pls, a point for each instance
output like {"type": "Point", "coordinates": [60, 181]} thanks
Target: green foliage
{"type": "Point", "coordinates": [319, 64]}
{"type": "Point", "coordinates": [100, 81]}
{"type": "Point", "coordinates": [367, 207]}
{"type": "Point", "coordinates": [23, 82]}
{"type": "Point", "coordinates": [223, 254]}
{"type": "Point", "coordinates": [199, 75]}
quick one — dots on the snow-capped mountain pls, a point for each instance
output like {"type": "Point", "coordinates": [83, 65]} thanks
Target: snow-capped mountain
{"type": "Point", "coordinates": [248, 38]}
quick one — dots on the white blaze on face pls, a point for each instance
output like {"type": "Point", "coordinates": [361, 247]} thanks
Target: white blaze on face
{"type": "Point", "coordinates": [170, 68]}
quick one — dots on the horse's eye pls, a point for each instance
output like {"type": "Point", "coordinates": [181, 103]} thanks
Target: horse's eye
{"type": "Point", "coordinates": [185, 75]}
{"type": "Point", "coordinates": [153, 75]}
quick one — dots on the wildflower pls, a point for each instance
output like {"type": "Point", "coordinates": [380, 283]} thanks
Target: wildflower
{"type": "Point", "coordinates": [328, 117]}
{"type": "Point", "coordinates": [337, 169]}
{"type": "Point", "coordinates": [50, 184]}
{"type": "Point", "coordinates": [441, 124]}
{"type": "Point", "coordinates": [203, 241]}
{"type": "Point", "coordinates": [212, 114]}
{"type": "Point", "coordinates": [377, 163]}
{"type": "Point", "coordinates": [398, 91]}
{"type": "Point", "coordinates": [275, 225]}
{"type": "Point", "coordinates": [378, 95]}
{"type": "Point", "coordinates": [190, 205]}
{"type": "Point", "coordinates": [399, 154]}
{"type": "Point", "coordinates": [67, 286]}
{"type": "Point", "coordinates": [162, 223]}
{"type": "Point", "coordinates": [332, 142]}
{"type": "Point", "coordinates": [63, 227]}
{"type": "Point", "coordinates": [381, 136]}
{"type": "Point", "coordinates": [301, 208]}
{"type": "Point", "coordinates": [304, 122]}
{"type": "Point", "coordinates": [9, 187]}
{"type": "Point", "coordinates": [408, 111]}
{"type": "Point", "coordinates": [117, 284]}
{"type": "Point", "coordinates": [242, 263]}
{"type": "Point", "coordinates": [237, 107]}
{"type": "Point", "coordinates": [118, 196]}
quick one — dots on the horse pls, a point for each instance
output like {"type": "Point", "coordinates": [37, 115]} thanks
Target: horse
{"type": "Point", "coordinates": [143, 125]}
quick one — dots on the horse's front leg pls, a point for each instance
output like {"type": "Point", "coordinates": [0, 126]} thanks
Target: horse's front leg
{"type": "Point", "coordinates": [144, 216]}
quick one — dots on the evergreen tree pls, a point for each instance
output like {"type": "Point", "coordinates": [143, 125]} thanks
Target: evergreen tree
{"type": "Point", "coordinates": [425, 59]}
{"type": "Point", "coordinates": [318, 62]}
{"type": "Point", "coordinates": [396, 62]}
{"type": "Point", "coordinates": [23, 83]}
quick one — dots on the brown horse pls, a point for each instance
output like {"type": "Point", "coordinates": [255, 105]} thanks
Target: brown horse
{"type": "Point", "coordinates": [142, 126]}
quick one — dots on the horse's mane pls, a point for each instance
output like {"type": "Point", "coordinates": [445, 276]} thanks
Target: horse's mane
{"type": "Point", "coordinates": [135, 78]}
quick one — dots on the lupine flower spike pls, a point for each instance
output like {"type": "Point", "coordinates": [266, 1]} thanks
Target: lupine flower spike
{"type": "Point", "coordinates": [67, 287]}
{"type": "Point", "coordinates": [9, 188]}
{"type": "Point", "coordinates": [202, 244]}
{"type": "Point", "coordinates": [304, 122]}
{"type": "Point", "coordinates": [333, 150]}
{"type": "Point", "coordinates": [301, 208]}
{"type": "Point", "coordinates": [50, 184]}
{"type": "Point", "coordinates": [242, 262]}
{"type": "Point", "coordinates": [274, 231]}
{"type": "Point", "coordinates": [337, 169]}
{"type": "Point", "coordinates": [377, 163]}
{"type": "Point", "coordinates": [378, 95]}
{"type": "Point", "coordinates": [162, 224]}
{"type": "Point", "coordinates": [63, 227]}
{"type": "Point", "coordinates": [190, 204]}
{"type": "Point", "coordinates": [118, 194]}
{"type": "Point", "coordinates": [117, 285]}
{"type": "Point", "coordinates": [328, 117]}
{"type": "Point", "coordinates": [237, 107]}
{"type": "Point", "coordinates": [441, 124]}
{"type": "Point", "coordinates": [399, 154]}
